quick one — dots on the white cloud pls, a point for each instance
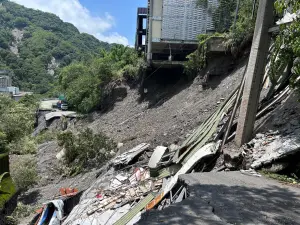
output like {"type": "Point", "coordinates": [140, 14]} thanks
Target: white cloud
{"type": "Point", "coordinates": [73, 12]}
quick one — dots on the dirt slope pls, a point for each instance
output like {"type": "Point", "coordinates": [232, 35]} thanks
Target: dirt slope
{"type": "Point", "coordinates": [169, 111]}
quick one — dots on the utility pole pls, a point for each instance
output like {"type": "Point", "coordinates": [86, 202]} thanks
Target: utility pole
{"type": "Point", "coordinates": [255, 72]}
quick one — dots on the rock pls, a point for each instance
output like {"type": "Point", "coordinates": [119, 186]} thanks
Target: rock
{"type": "Point", "coordinates": [294, 122]}
{"type": "Point", "coordinates": [60, 156]}
{"type": "Point", "coordinates": [233, 158]}
{"type": "Point", "coordinates": [259, 136]}
{"type": "Point", "coordinates": [257, 145]}
{"type": "Point", "coordinates": [120, 145]}
{"type": "Point", "coordinates": [173, 147]}
{"type": "Point", "coordinates": [277, 167]}
{"type": "Point", "coordinates": [277, 149]}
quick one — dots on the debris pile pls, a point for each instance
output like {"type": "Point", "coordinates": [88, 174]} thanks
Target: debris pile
{"type": "Point", "coordinates": [270, 147]}
{"type": "Point", "coordinates": [142, 179]}
{"type": "Point", "coordinates": [138, 180]}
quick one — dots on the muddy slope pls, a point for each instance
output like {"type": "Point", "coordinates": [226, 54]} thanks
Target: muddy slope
{"type": "Point", "coordinates": [170, 109]}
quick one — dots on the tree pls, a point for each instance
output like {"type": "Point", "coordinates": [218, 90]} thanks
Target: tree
{"type": "Point", "coordinates": [21, 22]}
{"type": "Point", "coordinates": [16, 121]}
{"type": "Point", "coordinates": [287, 44]}
{"type": "Point", "coordinates": [45, 37]}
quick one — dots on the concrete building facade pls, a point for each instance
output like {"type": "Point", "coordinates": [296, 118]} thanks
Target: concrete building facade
{"type": "Point", "coordinates": [173, 27]}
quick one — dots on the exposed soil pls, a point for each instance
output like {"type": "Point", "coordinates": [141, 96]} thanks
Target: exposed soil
{"type": "Point", "coordinates": [170, 109]}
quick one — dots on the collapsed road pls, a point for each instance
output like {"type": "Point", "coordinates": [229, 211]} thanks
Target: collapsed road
{"type": "Point", "coordinates": [136, 185]}
{"type": "Point", "coordinates": [231, 198]}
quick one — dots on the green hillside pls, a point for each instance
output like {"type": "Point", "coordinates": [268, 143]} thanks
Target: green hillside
{"type": "Point", "coordinates": [30, 40]}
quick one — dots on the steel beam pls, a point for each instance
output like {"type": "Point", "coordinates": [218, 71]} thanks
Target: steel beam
{"type": "Point", "coordinates": [255, 72]}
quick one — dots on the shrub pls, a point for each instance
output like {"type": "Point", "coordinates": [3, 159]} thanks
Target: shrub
{"type": "Point", "coordinates": [45, 136]}
{"type": "Point", "coordinates": [24, 146]}
{"type": "Point", "coordinates": [86, 149]}
{"type": "Point", "coordinates": [23, 211]}
{"type": "Point", "coordinates": [23, 172]}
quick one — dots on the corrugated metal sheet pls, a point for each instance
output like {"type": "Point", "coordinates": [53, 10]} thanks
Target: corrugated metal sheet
{"type": "Point", "coordinates": [135, 210]}
{"type": "Point", "coordinates": [184, 20]}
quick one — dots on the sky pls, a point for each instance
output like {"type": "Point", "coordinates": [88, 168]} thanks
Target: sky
{"type": "Point", "coordinates": [113, 21]}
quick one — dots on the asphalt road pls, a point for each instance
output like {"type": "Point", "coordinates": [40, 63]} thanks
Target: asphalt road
{"type": "Point", "coordinates": [231, 198]}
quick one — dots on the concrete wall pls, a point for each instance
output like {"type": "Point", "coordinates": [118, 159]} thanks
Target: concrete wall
{"type": "Point", "coordinates": [5, 81]}
{"type": "Point", "coordinates": [157, 20]}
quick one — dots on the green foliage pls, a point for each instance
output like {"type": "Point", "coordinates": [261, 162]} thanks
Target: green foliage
{"type": "Point", "coordinates": [241, 34]}
{"type": "Point", "coordinates": [23, 211]}
{"type": "Point", "coordinates": [16, 120]}
{"type": "Point", "coordinates": [24, 172]}
{"type": "Point", "coordinates": [7, 188]}
{"type": "Point", "coordinates": [45, 37]}
{"type": "Point", "coordinates": [280, 177]}
{"type": "Point", "coordinates": [86, 149]}
{"type": "Point", "coordinates": [30, 101]}
{"type": "Point", "coordinates": [5, 38]}
{"type": "Point", "coordinates": [237, 37]}
{"type": "Point", "coordinates": [21, 22]}
{"type": "Point", "coordinates": [24, 146]}
{"type": "Point", "coordinates": [197, 60]}
{"type": "Point", "coordinates": [86, 84]}
{"type": "Point", "coordinates": [286, 46]}
{"type": "Point", "coordinates": [45, 136]}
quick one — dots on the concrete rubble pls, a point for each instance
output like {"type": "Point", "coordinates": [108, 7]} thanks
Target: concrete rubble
{"type": "Point", "coordinates": [59, 114]}
{"type": "Point", "coordinates": [270, 147]}
{"type": "Point", "coordinates": [142, 179]}
{"type": "Point", "coordinates": [145, 178]}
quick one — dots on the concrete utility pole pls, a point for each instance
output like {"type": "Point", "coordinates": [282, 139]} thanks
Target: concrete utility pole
{"type": "Point", "coordinates": [255, 72]}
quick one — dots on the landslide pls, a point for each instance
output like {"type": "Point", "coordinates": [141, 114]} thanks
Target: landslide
{"type": "Point", "coordinates": [170, 106]}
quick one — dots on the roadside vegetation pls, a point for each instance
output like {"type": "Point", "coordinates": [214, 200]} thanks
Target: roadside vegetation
{"type": "Point", "coordinates": [16, 126]}
{"type": "Point", "coordinates": [292, 179]}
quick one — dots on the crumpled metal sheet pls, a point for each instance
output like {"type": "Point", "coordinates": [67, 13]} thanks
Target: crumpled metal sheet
{"type": "Point", "coordinates": [127, 157]}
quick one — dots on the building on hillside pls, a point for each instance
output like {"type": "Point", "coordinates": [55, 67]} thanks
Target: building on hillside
{"type": "Point", "coordinates": [5, 80]}
{"type": "Point", "coordinates": [7, 88]}
{"type": "Point", "coordinates": [170, 28]}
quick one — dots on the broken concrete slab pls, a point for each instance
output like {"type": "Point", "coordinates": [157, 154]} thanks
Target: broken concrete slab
{"type": "Point", "coordinates": [58, 114]}
{"type": "Point", "coordinates": [208, 150]}
{"type": "Point", "coordinates": [268, 149]}
{"type": "Point", "coordinates": [231, 198]}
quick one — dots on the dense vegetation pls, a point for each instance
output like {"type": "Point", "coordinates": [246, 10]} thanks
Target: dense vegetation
{"type": "Point", "coordinates": [43, 37]}
{"type": "Point", "coordinates": [286, 51]}
{"type": "Point", "coordinates": [16, 121]}
{"type": "Point", "coordinates": [16, 126]}
{"type": "Point", "coordinates": [87, 84]}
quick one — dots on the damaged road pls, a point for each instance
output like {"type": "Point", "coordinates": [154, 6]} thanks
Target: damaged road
{"type": "Point", "coordinates": [230, 198]}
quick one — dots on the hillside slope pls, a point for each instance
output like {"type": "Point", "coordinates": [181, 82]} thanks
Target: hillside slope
{"type": "Point", "coordinates": [34, 44]}
{"type": "Point", "coordinates": [169, 111]}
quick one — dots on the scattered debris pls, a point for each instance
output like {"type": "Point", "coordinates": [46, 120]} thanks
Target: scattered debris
{"type": "Point", "coordinates": [52, 214]}
{"type": "Point", "coordinates": [127, 157]}
{"type": "Point", "coordinates": [267, 148]}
